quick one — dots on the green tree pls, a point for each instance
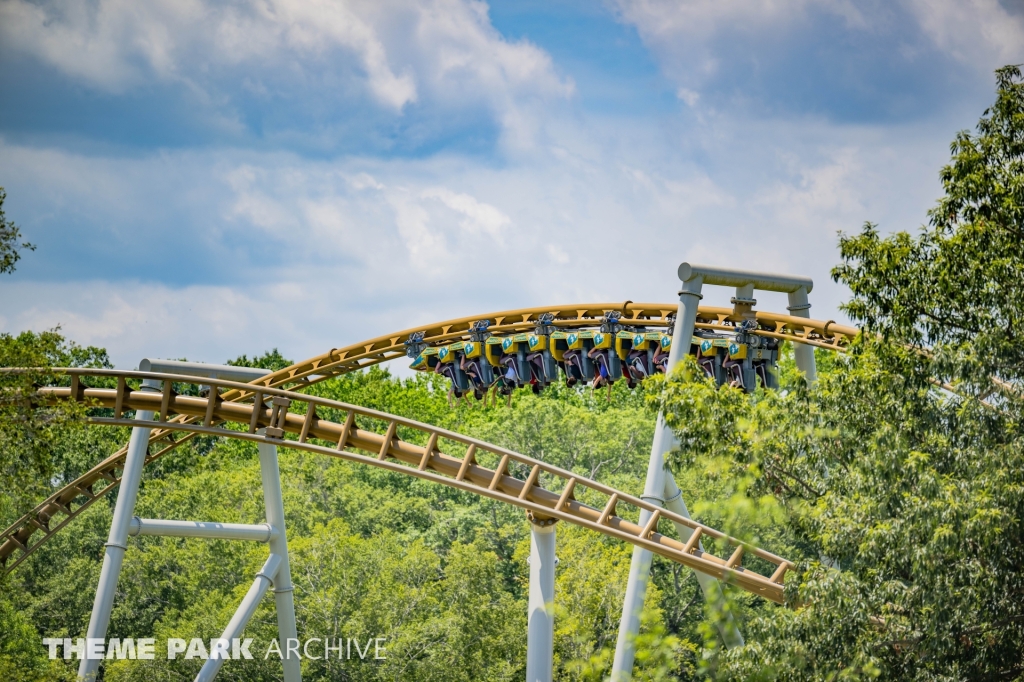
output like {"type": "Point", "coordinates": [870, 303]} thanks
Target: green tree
{"type": "Point", "coordinates": [10, 240]}
{"type": "Point", "coordinates": [42, 447]}
{"type": "Point", "coordinates": [957, 286]}
{"type": "Point", "coordinates": [901, 501]}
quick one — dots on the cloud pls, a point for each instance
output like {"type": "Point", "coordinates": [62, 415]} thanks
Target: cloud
{"type": "Point", "coordinates": [211, 253]}
{"type": "Point", "coordinates": [981, 32]}
{"type": "Point", "coordinates": [873, 60]}
{"type": "Point", "coordinates": [437, 56]}
{"type": "Point", "coordinates": [479, 217]}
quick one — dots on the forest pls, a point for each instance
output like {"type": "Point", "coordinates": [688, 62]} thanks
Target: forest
{"type": "Point", "coordinates": [896, 483]}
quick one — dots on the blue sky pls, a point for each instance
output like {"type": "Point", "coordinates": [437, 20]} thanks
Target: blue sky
{"type": "Point", "coordinates": [209, 179]}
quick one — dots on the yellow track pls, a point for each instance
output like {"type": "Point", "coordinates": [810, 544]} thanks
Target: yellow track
{"type": "Point", "coordinates": [531, 489]}
{"type": "Point", "coordinates": [32, 530]}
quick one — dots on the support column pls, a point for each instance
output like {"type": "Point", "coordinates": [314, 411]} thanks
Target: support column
{"type": "Point", "coordinates": [283, 601]}
{"type": "Point", "coordinates": [241, 617]}
{"type": "Point", "coordinates": [800, 307]}
{"type": "Point", "coordinates": [541, 619]}
{"type": "Point", "coordinates": [711, 588]}
{"type": "Point", "coordinates": [654, 490]}
{"type": "Point", "coordinates": [117, 540]}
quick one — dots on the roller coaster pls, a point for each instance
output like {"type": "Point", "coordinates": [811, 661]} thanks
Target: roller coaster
{"type": "Point", "coordinates": [480, 357]}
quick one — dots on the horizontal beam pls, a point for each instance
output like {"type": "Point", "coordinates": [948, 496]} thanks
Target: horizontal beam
{"type": "Point", "coordinates": [262, 532]}
{"type": "Point", "coordinates": [727, 277]}
{"type": "Point", "coordinates": [202, 369]}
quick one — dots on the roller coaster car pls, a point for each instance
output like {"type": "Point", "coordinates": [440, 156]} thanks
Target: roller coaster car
{"type": "Point", "coordinates": [661, 353]}
{"type": "Point", "coordinates": [606, 361]}
{"type": "Point", "coordinates": [739, 360]}
{"type": "Point", "coordinates": [477, 367]}
{"type": "Point", "coordinates": [760, 357]}
{"type": "Point", "coordinates": [450, 365]}
{"type": "Point", "coordinates": [711, 352]}
{"type": "Point", "coordinates": [425, 361]}
{"type": "Point", "coordinates": [527, 361]}
{"type": "Point", "coordinates": [637, 350]}
{"type": "Point", "coordinates": [569, 350]}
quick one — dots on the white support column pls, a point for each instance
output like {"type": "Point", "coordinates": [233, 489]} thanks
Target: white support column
{"type": "Point", "coordinates": [242, 615]}
{"type": "Point", "coordinates": [283, 600]}
{"type": "Point", "coordinates": [541, 622]}
{"type": "Point", "coordinates": [800, 307]}
{"type": "Point", "coordinates": [654, 489]}
{"type": "Point", "coordinates": [117, 540]}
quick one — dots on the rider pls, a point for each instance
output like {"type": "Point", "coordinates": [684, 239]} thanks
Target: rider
{"type": "Point", "coordinates": [602, 377]}
{"type": "Point", "coordinates": [472, 371]}
{"type": "Point", "coordinates": [573, 367]}
{"type": "Point", "coordinates": [446, 369]}
{"type": "Point", "coordinates": [636, 363]}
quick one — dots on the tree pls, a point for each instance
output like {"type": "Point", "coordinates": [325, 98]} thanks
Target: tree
{"type": "Point", "coordinates": [957, 286]}
{"type": "Point", "coordinates": [42, 447]}
{"type": "Point", "coordinates": [10, 236]}
{"type": "Point", "coordinates": [902, 502]}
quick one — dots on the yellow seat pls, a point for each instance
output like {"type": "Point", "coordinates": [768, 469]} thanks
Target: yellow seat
{"type": "Point", "coordinates": [737, 351]}
{"type": "Point", "coordinates": [559, 345]}
{"type": "Point", "coordinates": [473, 349]}
{"type": "Point", "coordinates": [446, 354]}
{"type": "Point", "coordinates": [624, 342]}
{"type": "Point", "coordinates": [492, 351]}
{"type": "Point", "coordinates": [422, 361]}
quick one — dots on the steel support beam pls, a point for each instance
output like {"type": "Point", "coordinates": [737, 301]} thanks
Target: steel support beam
{"type": "Point", "coordinates": [262, 532]}
{"type": "Point", "coordinates": [242, 615]}
{"type": "Point", "coordinates": [711, 588]}
{"type": "Point", "coordinates": [541, 621]}
{"type": "Point", "coordinates": [654, 490]}
{"type": "Point", "coordinates": [274, 502]}
{"type": "Point", "coordinates": [203, 369]}
{"type": "Point", "coordinates": [804, 354]}
{"type": "Point", "coordinates": [117, 539]}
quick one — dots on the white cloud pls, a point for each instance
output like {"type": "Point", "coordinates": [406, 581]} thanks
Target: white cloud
{"type": "Point", "coordinates": [479, 217]}
{"type": "Point", "coordinates": [313, 254]}
{"type": "Point", "coordinates": [443, 54]}
{"type": "Point", "coordinates": [695, 38]}
{"type": "Point", "coordinates": [980, 32]}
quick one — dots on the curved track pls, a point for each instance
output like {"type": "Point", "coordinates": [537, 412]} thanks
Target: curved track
{"type": "Point", "coordinates": [515, 479]}
{"type": "Point", "coordinates": [27, 534]}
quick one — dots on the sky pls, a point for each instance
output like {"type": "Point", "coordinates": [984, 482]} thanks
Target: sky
{"type": "Point", "coordinates": [207, 179]}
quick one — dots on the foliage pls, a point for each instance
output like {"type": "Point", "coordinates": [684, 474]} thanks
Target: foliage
{"type": "Point", "coordinates": [901, 503]}
{"type": "Point", "coordinates": [957, 286]}
{"type": "Point", "coordinates": [440, 573]}
{"type": "Point", "coordinates": [272, 360]}
{"type": "Point", "coordinates": [10, 240]}
{"type": "Point", "coordinates": [40, 448]}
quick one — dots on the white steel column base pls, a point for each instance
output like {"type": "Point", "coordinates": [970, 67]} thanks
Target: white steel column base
{"type": "Point", "coordinates": [541, 619]}
{"type": "Point", "coordinates": [117, 540]}
{"type": "Point", "coordinates": [283, 601]}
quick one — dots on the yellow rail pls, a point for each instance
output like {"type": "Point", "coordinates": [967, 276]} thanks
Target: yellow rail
{"type": "Point", "coordinates": [545, 491]}
{"type": "Point", "coordinates": [22, 536]}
